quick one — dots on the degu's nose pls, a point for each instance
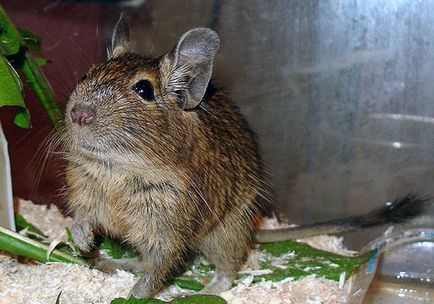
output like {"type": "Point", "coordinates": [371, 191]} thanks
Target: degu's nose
{"type": "Point", "coordinates": [82, 114]}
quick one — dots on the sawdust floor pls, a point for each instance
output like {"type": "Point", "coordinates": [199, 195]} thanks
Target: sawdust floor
{"type": "Point", "coordinates": [41, 283]}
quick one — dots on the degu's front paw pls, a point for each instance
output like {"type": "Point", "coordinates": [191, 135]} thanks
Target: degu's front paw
{"type": "Point", "coordinates": [83, 235]}
{"type": "Point", "coordinates": [105, 265]}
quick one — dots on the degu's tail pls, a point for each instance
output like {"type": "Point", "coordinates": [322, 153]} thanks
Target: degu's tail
{"type": "Point", "coordinates": [398, 211]}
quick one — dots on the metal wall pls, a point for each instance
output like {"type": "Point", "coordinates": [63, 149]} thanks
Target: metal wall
{"type": "Point", "coordinates": [339, 92]}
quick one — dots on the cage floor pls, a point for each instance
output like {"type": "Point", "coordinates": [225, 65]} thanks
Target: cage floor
{"type": "Point", "coordinates": [42, 283]}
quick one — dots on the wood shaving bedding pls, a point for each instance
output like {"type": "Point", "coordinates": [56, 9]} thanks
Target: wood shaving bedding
{"type": "Point", "coordinates": [47, 218]}
{"type": "Point", "coordinates": [27, 284]}
{"type": "Point", "coordinates": [40, 284]}
{"type": "Point", "coordinates": [329, 243]}
{"type": "Point", "coordinates": [307, 290]}
{"type": "Point", "coordinates": [323, 242]}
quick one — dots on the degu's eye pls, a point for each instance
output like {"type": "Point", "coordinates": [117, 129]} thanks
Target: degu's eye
{"type": "Point", "coordinates": [144, 89]}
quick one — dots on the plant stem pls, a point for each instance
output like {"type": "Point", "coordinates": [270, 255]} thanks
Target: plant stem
{"type": "Point", "coordinates": [43, 90]}
{"type": "Point", "coordinates": [18, 244]}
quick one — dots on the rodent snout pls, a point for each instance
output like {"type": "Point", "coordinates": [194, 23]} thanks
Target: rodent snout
{"type": "Point", "coordinates": [82, 114]}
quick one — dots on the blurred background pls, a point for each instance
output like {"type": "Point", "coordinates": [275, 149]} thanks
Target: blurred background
{"type": "Point", "coordinates": [340, 93]}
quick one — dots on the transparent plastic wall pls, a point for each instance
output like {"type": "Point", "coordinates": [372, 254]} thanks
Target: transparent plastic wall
{"type": "Point", "coordinates": [340, 93]}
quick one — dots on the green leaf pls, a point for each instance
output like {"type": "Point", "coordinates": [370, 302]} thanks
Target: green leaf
{"type": "Point", "coordinates": [195, 299]}
{"type": "Point", "coordinates": [22, 118]}
{"type": "Point", "coordinates": [71, 240]}
{"type": "Point", "coordinates": [136, 301]}
{"type": "Point", "coordinates": [11, 93]}
{"type": "Point", "coordinates": [199, 299]}
{"type": "Point", "coordinates": [41, 61]}
{"type": "Point", "coordinates": [288, 259]}
{"type": "Point", "coordinates": [116, 250]}
{"type": "Point", "coordinates": [10, 43]}
{"type": "Point", "coordinates": [42, 88]}
{"type": "Point", "coordinates": [10, 39]}
{"type": "Point", "coordinates": [18, 244]}
{"type": "Point", "coordinates": [187, 283]}
{"type": "Point", "coordinates": [22, 223]}
{"type": "Point", "coordinates": [32, 41]}
{"type": "Point", "coordinates": [10, 85]}
{"type": "Point", "coordinates": [302, 260]}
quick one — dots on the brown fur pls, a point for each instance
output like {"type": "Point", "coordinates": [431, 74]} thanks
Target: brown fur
{"type": "Point", "coordinates": [163, 179]}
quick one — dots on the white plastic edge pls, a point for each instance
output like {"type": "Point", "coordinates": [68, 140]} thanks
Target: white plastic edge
{"type": "Point", "coordinates": [6, 200]}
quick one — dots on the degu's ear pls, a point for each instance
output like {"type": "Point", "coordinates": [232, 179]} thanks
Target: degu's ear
{"type": "Point", "coordinates": [191, 65]}
{"type": "Point", "coordinates": [120, 38]}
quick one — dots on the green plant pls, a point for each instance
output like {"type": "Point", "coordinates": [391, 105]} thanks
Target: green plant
{"type": "Point", "coordinates": [21, 245]}
{"type": "Point", "coordinates": [195, 299]}
{"type": "Point", "coordinates": [16, 47]}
